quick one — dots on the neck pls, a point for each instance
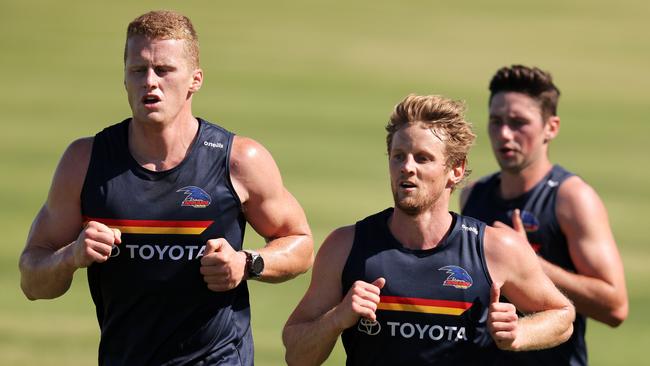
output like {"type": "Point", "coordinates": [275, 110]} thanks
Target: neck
{"type": "Point", "coordinates": [516, 183]}
{"type": "Point", "coordinates": [422, 231]}
{"type": "Point", "coordinates": [160, 146]}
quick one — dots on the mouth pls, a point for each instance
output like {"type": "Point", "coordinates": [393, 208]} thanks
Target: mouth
{"type": "Point", "coordinates": [506, 151]}
{"type": "Point", "coordinates": [150, 100]}
{"type": "Point", "coordinates": [407, 185]}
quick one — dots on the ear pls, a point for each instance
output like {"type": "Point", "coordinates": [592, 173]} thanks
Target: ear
{"type": "Point", "coordinates": [197, 81]}
{"type": "Point", "coordinates": [551, 128]}
{"type": "Point", "coordinates": [456, 174]}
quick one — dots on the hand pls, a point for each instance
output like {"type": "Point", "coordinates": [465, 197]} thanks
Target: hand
{"type": "Point", "coordinates": [517, 224]}
{"type": "Point", "coordinates": [360, 301]}
{"type": "Point", "coordinates": [94, 244]}
{"type": "Point", "coordinates": [221, 266]}
{"type": "Point", "coordinates": [502, 321]}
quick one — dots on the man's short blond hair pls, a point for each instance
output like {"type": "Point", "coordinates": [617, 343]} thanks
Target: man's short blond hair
{"type": "Point", "coordinates": [443, 116]}
{"type": "Point", "coordinates": [166, 24]}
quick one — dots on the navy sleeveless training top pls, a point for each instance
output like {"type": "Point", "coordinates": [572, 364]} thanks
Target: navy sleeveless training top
{"type": "Point", "coordinates": [537, 208]}
{"type": "Point", "coordinates": [433, 302]}
{"type": "Point", "coordinates": [152, 304]}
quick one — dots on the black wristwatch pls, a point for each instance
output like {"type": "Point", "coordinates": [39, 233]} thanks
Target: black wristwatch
{"type": "Point", "coordinates": [254, 264]}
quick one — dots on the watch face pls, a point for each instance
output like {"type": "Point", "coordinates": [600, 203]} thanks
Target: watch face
{"type": "Point", "coordinates": [258, 265]}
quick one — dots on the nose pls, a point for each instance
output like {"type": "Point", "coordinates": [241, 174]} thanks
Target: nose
{"type": "Point", "coordinates": [504, 132]}
{"type": "Point", "coordinates": [151, 79]}
{"type": "Point", "coordinates": [408, 165]}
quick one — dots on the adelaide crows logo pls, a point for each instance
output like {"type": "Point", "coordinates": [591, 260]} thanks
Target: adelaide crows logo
{"type": "Point", "coordinates": [195, 197]}
{"type": "Point", "coordinates": [531, 223]}
{"type": "Point", "coordinates": [458, 277]}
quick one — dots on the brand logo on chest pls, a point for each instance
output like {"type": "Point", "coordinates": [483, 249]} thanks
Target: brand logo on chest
{"type": "Point", "coordinates": [458, 277]}
{"type": "Point", "coordinates": [195, 197]}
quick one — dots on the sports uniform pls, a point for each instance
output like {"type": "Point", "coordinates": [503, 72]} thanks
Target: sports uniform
{"type": "Point", "coordinates": [152, 303]}
{"type": "Point", "coordinates": [537, 208]}
{"type": "Point", "coordinates": [433, 300]}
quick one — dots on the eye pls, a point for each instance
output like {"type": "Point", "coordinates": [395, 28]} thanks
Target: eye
{"type": "Point", "coordinates": [397, 156]}
{"type": "Point", "coordinates": [495, 122]}
{"type": "Point", "coordinates": [421, 158]}
{"type": "Point", "coordinates": [161, 70]}
{"type": "Point", "coordinates": [517, 123]}
{"type": "Point", "coordinates": [138, 69]}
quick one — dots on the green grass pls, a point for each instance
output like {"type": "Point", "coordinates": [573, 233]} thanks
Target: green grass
{"type": "Point", "coordinates": [315, 81]}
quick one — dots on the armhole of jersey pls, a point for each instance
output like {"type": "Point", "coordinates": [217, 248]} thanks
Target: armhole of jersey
{"type": "Point", "coordinates": [231, 187]}
{"type": "Point", "coordinates": [344, 270]}
{"type": "Point", "coordinates": [90, 164]}
{"type": "Point", "coordinates": [555, 221]}
{"type": "Point", "coordinates": [486, 270]}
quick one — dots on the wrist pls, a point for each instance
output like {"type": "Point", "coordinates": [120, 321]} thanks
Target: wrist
{"type": "Point", "coordinates": [254, 264]}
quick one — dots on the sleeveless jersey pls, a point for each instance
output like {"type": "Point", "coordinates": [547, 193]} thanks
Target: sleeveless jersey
{"type": "Point", "coordinates": [433, 301]}
{"type": "Point", "coordinates": [537, 208]}
{"type": "Point", "coordinates": [152, 304]}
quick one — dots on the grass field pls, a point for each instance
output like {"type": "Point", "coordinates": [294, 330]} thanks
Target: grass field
{"type": "Point", "coordinates": [315, 81]}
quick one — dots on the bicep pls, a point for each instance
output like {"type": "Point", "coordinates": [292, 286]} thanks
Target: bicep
{"type": "Point", "coordinates": [583, 219]}
{"type": "Point", "coordinates": [513, 264]}
{"type": "Point", "coordinates": [325, 288]}
{"type": "Point", "coordinates": [268, 206]}
{"type": "Point", "coordinates": [59, 220]}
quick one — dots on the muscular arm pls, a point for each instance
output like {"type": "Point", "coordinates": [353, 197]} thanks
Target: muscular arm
{"type": "Point", "coordinates": [272, 211]}
{"type": "Point", "coordinates": [312, 328]}
{"type": "Point", "coordinates": [47, 262]}
{"type": "Point", "coordinates": [323, 313]}
{"type": "Point", "coordinates": [515, 269]}
{"type": "Point", "coordinates": [598, 288]}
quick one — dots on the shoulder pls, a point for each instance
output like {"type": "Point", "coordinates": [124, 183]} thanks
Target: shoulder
{"type": "Point", "coordinates": [337, 245]}
{"type": "Point", "coordinates": [502, 238]}
{"type": "Point", "coordinates": [253, 171]}
{"type": "Point", "coordinates": [579, 209]}
{"type": "Point", "coordinates": [505, 250]}
{"type": "Point", "coordinates": [74, 161]}
{"type": "Point", "coordinates": [332, 256]}
{"type": "Point", "coordinates": [575, 195]}
{"type": "Point", "coordinates": [247, 155]}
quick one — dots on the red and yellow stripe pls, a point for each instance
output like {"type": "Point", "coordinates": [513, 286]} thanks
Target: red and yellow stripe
{"type": "Point", "coordinates": [175, 227]}
{"type": "Point", "coordinates": [418, 305]}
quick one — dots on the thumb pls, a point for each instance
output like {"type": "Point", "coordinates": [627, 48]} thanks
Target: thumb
{"type": "Point", "coordinates": [517, 223]}
{"type": "Point", "coordinates": [117, 236]}
{"type": "Point", "coordinates": [212, 246]}
{"type": "Point", "coordinates": [379, 282]}
{"type": "Point", "coordinates": [495, 293]}
{"type": "Point", "coordinates": [500, 224]}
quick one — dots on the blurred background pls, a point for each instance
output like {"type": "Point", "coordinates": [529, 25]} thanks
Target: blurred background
{"type": "Point", "coordinates": [315, 82]}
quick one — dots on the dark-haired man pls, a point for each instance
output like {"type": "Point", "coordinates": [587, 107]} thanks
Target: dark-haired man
{"type": "Point", "coordinates": [155, 207]}
{"type": "Point", "coordinates": [562, 217]}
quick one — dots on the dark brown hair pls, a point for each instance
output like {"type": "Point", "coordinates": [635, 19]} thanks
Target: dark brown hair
{"type": "Point", "coordinates": [532, 81]}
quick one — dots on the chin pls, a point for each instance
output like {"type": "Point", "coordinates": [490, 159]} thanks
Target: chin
{"type": "Point", "coordinates": [409, 206]}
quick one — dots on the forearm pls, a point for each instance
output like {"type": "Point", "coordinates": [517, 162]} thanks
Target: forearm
{"type": "Point", "coordinates": [287, 257]}
{"type": "Point", "coordinates": [591, 296]}
{"type": "Point", "coordinates": [544, 329]}
{"type": "Point", "coordinates": [311, 342]}
{"type": "Point", "coordinates": [46, 274]}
